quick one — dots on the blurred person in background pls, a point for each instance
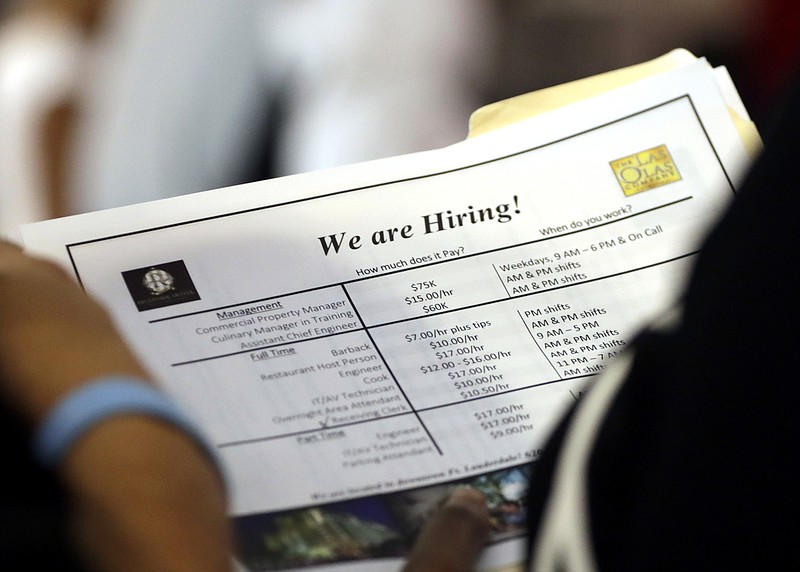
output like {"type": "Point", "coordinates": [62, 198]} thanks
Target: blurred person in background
{"type": "Point", "coordinates": [115, 102]}
{"type": "Point", "coordinates": [111, 102]}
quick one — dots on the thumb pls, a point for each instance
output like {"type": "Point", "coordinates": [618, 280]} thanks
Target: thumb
{"type": "Point", "coordinates": [453, 537]}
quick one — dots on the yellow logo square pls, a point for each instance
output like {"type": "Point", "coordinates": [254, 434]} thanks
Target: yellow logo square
{"type": "Point", "coordinates": [645, 170]}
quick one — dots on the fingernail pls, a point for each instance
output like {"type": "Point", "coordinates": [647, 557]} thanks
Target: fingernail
{"type": "Point", "coordinates": [468, 498]}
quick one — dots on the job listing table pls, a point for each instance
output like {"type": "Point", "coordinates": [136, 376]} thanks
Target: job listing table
{"type": "Point", "coordinates": [457, 348]}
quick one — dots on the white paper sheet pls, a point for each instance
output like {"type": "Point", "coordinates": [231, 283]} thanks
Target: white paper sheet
{"type": "Point", "coordinates": [358, 341]}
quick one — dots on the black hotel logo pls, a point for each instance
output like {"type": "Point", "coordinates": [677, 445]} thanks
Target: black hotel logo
{"type": "Point", "coordinates": [160, 285]}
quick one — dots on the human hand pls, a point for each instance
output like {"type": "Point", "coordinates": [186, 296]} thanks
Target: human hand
{"type": "Point", "coordinates": [453, 537]}
{"type": "Point", "coordinates": [143, 495]}
{"type": "Point", "coordinates": [53, 336]}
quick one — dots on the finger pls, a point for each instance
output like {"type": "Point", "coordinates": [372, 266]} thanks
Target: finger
{"type": "Point", "coordinates": [454, 536]}
{"type": "Point", "coordinates": [7, 244]}
{"type": "Point", "coordinates": [8, 249]}
{"type": "Point", "coordinates": [53, 336]}
{"type": "Point", "coordinates": [16, 264]}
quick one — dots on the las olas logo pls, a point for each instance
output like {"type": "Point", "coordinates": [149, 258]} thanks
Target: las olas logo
{"type": "Point", "coordinates": [645, 170]}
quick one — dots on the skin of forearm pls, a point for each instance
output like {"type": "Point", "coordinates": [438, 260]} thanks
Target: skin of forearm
{"type": "Point", "coordinates": [153, 503]}
{"type": "Point", "coordinates": [144, 495]}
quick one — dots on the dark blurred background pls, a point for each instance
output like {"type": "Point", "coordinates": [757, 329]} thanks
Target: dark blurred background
{"type": "Point", "coordinates": [110, 102]}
